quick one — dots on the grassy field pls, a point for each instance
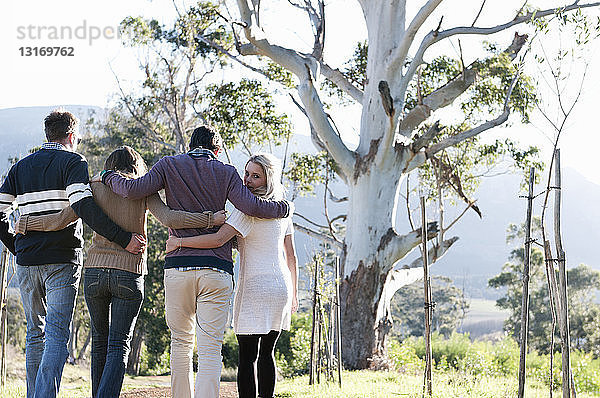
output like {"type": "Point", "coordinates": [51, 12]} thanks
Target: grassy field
{"type": "Point", "coordinates": [363, 384]}
{"type": "Point", "coordinates": [356, 384]}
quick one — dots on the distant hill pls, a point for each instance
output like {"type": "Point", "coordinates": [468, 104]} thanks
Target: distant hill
{"type": "Point", "coordinates": [478, 255]}
{"type": "Point", "coordinates": [23, 128]}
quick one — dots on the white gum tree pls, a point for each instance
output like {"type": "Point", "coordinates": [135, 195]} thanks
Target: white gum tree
{"type": "Point", "coordinates": [391, 144]}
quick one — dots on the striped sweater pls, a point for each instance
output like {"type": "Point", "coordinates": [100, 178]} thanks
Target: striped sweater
{"type": "Point", "coordinates": [46, 182]}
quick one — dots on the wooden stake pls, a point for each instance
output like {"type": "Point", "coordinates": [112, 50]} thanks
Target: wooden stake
{"type": "Point", "coordinates": [3, 313]}
{"type": "Point", "coordinates": [562, 282]}
{"type": "Point", "coordinates": [428, 303]}
{"type": "Point", "coordinates": [525, 297]}
{"type": "Point", "coordinates": [319, 351]}
{"type": "Point", "coordinates": [338, 320]}
{"type": "Point", "coordinates": [312, 365]}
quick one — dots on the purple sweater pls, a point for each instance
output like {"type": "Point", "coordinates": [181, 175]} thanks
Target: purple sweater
{"type": "Point", "coordinates": [197, 182]}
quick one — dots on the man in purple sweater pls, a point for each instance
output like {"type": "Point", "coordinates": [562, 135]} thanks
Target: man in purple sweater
{"type": "Point", "coordinates": [198, 282]}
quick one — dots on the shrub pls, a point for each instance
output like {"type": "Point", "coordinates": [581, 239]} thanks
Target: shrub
{"type": "Point", "coordinates": [500, 359]}
{"type": "Point", "coordinates": [292, 351]}
{"type": "Point", "coordinates": [230, 350]}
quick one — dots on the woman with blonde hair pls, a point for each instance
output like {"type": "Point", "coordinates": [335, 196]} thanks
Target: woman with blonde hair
{"type": "Point", "coordinates": [114, 278]}
{"type": "Point", "coordinates": [266, 295]}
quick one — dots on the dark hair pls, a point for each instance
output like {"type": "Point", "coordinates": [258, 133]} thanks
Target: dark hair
{"type": "Point", "coordinates": [207, 138]}
{"type": "Point", "coordinates": [59, 124]}
{"type": "Point", "coordinates": [127, 161]}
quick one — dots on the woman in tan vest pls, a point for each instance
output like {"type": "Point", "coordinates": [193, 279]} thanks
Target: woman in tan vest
{"type": "Point", "coordinates": [114, 278]}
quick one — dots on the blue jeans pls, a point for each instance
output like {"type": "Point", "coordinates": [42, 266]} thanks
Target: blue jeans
{"type": "Point", "coordinates": [118, 294]}
{"type": "Point", "coordinates": [48, 293]}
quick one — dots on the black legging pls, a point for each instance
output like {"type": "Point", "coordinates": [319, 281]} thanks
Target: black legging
{"type": "Point", "coordinates": [249, 350]}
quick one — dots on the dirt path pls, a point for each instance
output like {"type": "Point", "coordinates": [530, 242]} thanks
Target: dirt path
{"type": "Point", "coordinates": [228, 390]}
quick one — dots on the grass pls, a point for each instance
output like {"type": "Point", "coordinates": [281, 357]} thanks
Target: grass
{"type": "Point", "coordinates": [356, 384]}
{"type": "Point", "coordinates": [363, 384]}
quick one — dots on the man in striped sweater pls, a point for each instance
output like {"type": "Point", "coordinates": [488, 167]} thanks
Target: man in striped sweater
{"type": "Point", "coordinates": [49, 263]}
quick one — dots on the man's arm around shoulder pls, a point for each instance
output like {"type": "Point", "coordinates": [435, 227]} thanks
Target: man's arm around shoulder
{"type": "Point", "coordinates": [136, 188]}
{"type": "Point", "coordinates": [81, 200]}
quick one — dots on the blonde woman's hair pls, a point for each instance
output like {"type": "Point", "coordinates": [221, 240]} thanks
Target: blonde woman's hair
{"type": "Point", "coordinates": [271, 166]}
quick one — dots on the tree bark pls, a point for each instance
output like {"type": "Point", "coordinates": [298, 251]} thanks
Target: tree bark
{"type": "Point", "coordinates": [133, 362]}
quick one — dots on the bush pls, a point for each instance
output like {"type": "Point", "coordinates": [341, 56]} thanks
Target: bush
{"type": "Point", "coordinates": [150, 365]}
{"type": "Point", "coordinates": [292, 351]}
{"type": "Point", "coordinates": [230, 350]}
{"type": "Point", "coordinates": [499, 359]}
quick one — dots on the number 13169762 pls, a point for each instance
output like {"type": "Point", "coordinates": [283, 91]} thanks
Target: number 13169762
{"type": "Point", "coordinates": [47, 51]}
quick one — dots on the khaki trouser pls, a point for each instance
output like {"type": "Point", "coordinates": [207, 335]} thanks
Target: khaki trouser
{"type": "Point", "coordinates": [196, 299]}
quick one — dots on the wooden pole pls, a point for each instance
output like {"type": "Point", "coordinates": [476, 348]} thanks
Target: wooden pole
{"type": "Point", "coordinates": [554, 308]}
{"type": "Point", "coordinates": [330, 340]}
{"type": "Point", "coordinates": [3, 312]}
{"type": "Point", "coordinates": [525, 297]}
{"type": "Point", "coordinates": [312, 365]}
{"type": "Point", "coordinates": [338, 320]}
{"type": "Point", "coordinates": [428, 303]}
{"type": "Point", "coordinates": [319, 351]}
{"type": "Point", "coordinates": [562, 281]}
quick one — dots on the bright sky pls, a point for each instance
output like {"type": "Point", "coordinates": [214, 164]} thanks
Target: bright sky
{"type": "Point", "coordinates": [86, 78]}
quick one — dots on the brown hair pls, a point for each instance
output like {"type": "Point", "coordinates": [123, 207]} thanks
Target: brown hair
{"type": "Point", "coordinates": [126, 161]}
{"type": "Point", "coordinates": [207, 138]}
{"type": "Point", "coordinates": [59, 124]}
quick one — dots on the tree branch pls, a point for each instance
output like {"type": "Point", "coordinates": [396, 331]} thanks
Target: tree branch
{"type": "Point", "coordinates": [313, 133]}
{"type": "Point", "coordinates": [310, 221]}
{"type": "Point", "coordinates": [446, 94]}
{"type": "Point", "coordinates": [427, 137]}
{"type": "Point", "coordinates": [402, 275]}
{"type": "Point", "coordinates": [304, 67]}
{"type": "Point", "coordinates": [398, 246]}
{"type": "Point", "coordinates": [326, 133]}
{"type": "Point", "coordinates": [435, 36]}
{"type": "Point", "coordinates": [398, 54]}
{"type": "Point", "coordinates": [340, 80]}
{"type": "Point", "coordinates": [334, 198]}
{"type": "Point", "coordinates": [455, 139]}
{"type": "Point", "coordinates": [318, 235]}
{"type": "Point", "coordinates": [155, 136]}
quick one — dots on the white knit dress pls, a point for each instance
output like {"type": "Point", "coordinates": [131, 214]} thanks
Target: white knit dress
{"type": "Point", "coordinates": [263, 298]}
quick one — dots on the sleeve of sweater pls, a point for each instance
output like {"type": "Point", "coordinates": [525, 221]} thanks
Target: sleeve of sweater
{"type": "Point", "coordinates": [81, 200]}
{"type": "Point", "coordinates": [48, 222]}
{"type": "Point", "coordinates": [7, 198]}
{"type": "Point", "coordinates": [136, 188]}
{"type": "Point", "coordinates": [177, 219]}
{"type": "Point", "coordinates": [249, 204]}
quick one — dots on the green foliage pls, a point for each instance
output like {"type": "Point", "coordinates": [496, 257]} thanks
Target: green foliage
{"type": "Point", "coordinates": [245, 113]}
{"type": "Point", "coordinates": [230, 350]}
{"type": "Point", "coordinates": [16, 323]}
{"type": "Point", "coordinates": [408, 313]}
{"type": "Point", "coordinates": [202, 19]}
{"type": "Point", "coordinates": [292, 350]}
{"type": "Point", "coordinates": [151, 365]}
{"type": "Point", "coordinates": [486, 359]}
{"type": "Point", "coordinates": [152, 315]}
{"type": "Point", "coordinates": [307, 170]}
{"type": "Point", "coordinates": [279, 74]}
{"type": "Point", "coordinates": [583, 285]}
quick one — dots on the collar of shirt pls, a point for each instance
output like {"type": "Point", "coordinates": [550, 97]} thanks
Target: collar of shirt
{"type": "Point", "coordinates": [201, 152]}
{"type": "Point", "coordinates": [54, 145]}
